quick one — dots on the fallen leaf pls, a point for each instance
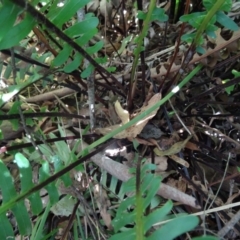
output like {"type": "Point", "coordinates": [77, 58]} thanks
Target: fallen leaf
{"type": "Point", "coordinates": [103, 204]}
{"type": "Point", "coordinates": [192, 146]}
{"type": "Point", "coordinates": [180, 184]}
{"type": "Point", "coordinates": [135, 129]}
{"type": "Point", "coordinates": [175, 148]}
{"type": "Point", "coordinates": [179, 160]}
{"type": "Point", "coordinates": [122, 113]}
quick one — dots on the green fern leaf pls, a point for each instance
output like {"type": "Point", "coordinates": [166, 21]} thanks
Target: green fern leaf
{"type": "Point", "coordinates": [44, 173]}
{"type": "Point", "coordinates": [6, 231]}
{"type": "Point", "coordinates": [157, 215]}
{"type": "Point", "coordinates": [16, 33]}
{"type": "Point", "coordinates": [62, 56]}
{"type": "Point", "coordinates": [8, 15]}
{"type": "Point", "coordinates": [67, 11]}
{"type": "Point", "coordinates": [82, 27]}
{"type": "Point", "coordinates": [26, 182]}
{"type": "Point", "coordinates": [8, 193]}
{"type": "Point", "coordinates": [177, 228]}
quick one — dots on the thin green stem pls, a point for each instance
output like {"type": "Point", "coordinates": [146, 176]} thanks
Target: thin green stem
{"type": "Point", "coordinates": [206, 21]}
{"type": "Point", "coordinates": [138, 49]}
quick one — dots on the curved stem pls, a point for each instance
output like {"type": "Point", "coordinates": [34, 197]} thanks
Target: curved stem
{"type": "Point", "coordinates": [206, 21]}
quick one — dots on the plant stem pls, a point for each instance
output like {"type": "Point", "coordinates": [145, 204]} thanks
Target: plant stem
{"type": "Point", "coordinates": [139, 45]}
{"type": "Point", "coordinates": [206, 21]}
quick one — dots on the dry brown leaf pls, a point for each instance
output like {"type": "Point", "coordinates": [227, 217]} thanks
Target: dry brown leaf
{"type": "Point", "coordinates": [192, 146]}
{"type": "Point", "coordinates": [135, 129]}
{"type": "Point", "coordinates": [122, 113]}
{"type": "Point", "coordinates": [175, 148]}
{"type": "Point", "coordinates": [144, 142]}
{"type": "Point", "coordinates": [103, 203]}
{"type": "Point", "coordinates": [179, 160]}
{"type": "Point", "coordinates": [180, 184]}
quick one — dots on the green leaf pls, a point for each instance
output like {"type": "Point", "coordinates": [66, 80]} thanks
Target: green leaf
{"type": "Point", "coordinates": [101, 60]}
{"type": "Point", "coordinates": [15, 109]}
{"type": "Point", "coordinates": [211, 33]}
{"type": "Point", "coordinates": [189, 17]}
{"type": "Point", "coordinates": [6, 231]}
{"type": "Point", "coordinates": [44, 173]}
{"type": "Point", "coordinates": [6, 184]}
{"type": "Point", "coordinates": [152, 191]}
{"type": "Point", "coordinates": [82, 27]}
{"type": "Point", "coordinates": [86, 37]}
{"type": "Point", "coordinates": [141, 15]}
{"type": "Point", "coordinates": [20, 212]}
{"type": "Point", "coordinates": [122, 220]}
{"type": "Point", "coordinates": [135, 144]}
{"type": "Point", "coordinates": [228, 89]}
{"type": "Point", "coordinates": [226, 6]}
{"type": "Point", "coordinates": [175, 228]}
{"type": "Point", "coordinates": [157, 215]}
{"type": "Point", "coordinates": [130, 185]}
{"type": "Point", "coordinates": [235, 73]}
{"type": "Point", "coordinates": [8, 15]}
{"type": "Point", "coordinates": [127, 235]}
{"type": "Point", "coordinates": [146, 179]}
{"type": "Point", "coordinates": [8, 193]}
{"type": "Point", "coordinates": [73, 65]}
{"type": "Point", "coordinates": [159, 15]}
{"type": "Point", "coordinates": [208, 4]}
{"type": "Point", "coordinates": [29, 121]}
{"type": "Point", "coordinates": [26, 182]}
{"type": "Point", "coordinates": [111, 69]}
{"type": "Point", "coordinates": [63, 56]}
{"type": "Point", "coordinates": [226, 21]}
{"type": "Point", "coordinates": [200, 50]}
{"type": "Point", "coordinates": [95, 48]}
{"type": "Point", "coordinates": [38, 230]}
{"type": "Point", "coordinates": [127, 203]}
{"type": "Point", "coordinates": [17, 32]}
{"type": "Point", "coordinates": [58, 165]}
{"type": "Point", "coordinates": [87, 71]}
{"type": "Point", "coordinates": [52, 9]}
{"type": "Point", "coordinates": [67, 11]}
{"type": "Point", "coordinates": [125, 41]}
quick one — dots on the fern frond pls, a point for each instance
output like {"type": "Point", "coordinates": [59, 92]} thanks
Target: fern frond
{"type": "Point", "coordinates": [132, 211]}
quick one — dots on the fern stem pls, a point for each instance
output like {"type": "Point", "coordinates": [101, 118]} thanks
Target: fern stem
{"type": "Point", "coordinates": [140, 43]}
{"type": "Point", "coordinates": [206, 21]}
